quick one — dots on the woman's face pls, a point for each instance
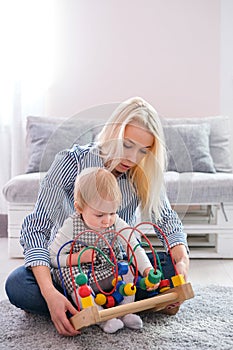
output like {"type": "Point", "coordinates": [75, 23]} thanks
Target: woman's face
{"type": "Point", "coordinates": [137, 142]}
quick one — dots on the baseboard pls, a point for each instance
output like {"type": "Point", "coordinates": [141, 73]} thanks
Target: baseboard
{"type": "Point", "coordinates": [3, 225]}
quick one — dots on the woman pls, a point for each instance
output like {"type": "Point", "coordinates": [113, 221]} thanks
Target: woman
{"type": "Point", "coordinates": [131, 146]}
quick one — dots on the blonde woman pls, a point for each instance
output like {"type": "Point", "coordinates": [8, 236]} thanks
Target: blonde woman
{"type": "Point", "coordinates": [131, 146]}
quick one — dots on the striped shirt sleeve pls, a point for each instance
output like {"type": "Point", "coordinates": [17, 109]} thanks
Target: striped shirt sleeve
{"type": "Point", "coordinates": [171, 226]}
{"type": "Point", "coordinates": [53, 206]}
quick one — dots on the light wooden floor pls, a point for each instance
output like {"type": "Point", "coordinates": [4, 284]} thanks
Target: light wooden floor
{"type": "Point", "coordinates": [202, 271]}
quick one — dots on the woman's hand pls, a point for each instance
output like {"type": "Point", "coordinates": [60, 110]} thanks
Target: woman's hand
{"type": "Point", "coordinates": [58, 305]}
{"type": "Point", "coordinates": [181, 259]}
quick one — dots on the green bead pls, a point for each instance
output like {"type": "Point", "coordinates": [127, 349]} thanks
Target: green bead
{"type": "Point", "coordinates": [121, 289]}
{"type": "Point", "coordinates": [142, 284]}
{"type": "Point", "coordinates": [81, 279]}
{"type": "Point", "coordinates": [154, 277]}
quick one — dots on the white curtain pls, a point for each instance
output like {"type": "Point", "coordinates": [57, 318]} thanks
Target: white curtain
{"type": "Point", "coordinates": [27, 39]}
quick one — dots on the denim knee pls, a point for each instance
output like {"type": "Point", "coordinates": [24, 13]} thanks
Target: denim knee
{"type": "Point", "coordinates": [23, 291]}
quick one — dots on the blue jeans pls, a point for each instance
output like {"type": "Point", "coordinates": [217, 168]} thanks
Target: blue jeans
{"type": "Point", "coordinates": [23, 290]}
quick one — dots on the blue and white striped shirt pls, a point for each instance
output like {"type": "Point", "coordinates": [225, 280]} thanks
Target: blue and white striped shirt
{"type": "Point", "coordinates": [55, 204]}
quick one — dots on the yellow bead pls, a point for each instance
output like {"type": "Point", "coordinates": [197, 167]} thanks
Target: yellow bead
{"type": "Point", "coordinates": [87, 302]}
{"type": "Point", "coordinates": [130, 289]}
{"type": "Point", "coordinates": [148, 283]}
{"type": "Point", "coordinates": [164, 289]}
{"type": "Point", "coordinates": [178, 280]}
{"type": "Point", "coordinates": [100, 299]}
{"type": "Point", "coordinates": [114, 281]}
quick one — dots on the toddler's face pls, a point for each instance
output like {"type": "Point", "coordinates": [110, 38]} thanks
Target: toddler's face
{"type": "Point", "coordinates": [97, 219]}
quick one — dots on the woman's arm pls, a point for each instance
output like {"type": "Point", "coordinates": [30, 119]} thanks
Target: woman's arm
{"type": "Point", "coordinates": [181, 259]}
{"type": "Point", "coordinates": [51, 209]}
{"type": "Point", "coordinates": [172, 227]}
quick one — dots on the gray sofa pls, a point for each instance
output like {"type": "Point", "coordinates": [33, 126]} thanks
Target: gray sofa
{"type": "Point", "coordinates": [199, 177]}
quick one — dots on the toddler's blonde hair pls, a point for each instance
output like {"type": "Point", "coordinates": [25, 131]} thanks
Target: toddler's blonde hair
{"type": "Point", "coordinates": [96, 185]}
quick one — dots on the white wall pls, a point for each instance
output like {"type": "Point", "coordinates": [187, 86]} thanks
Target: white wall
{"type": "Point", "coordinates": [177, 54]}
{"type": "Point", "coordinates": [226, 68]}
{"type": "Point", "coordinates": [165, 51]}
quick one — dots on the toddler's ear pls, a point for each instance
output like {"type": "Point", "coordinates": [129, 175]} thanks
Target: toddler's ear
{"type": "Point", "coordinates": [77, 207]}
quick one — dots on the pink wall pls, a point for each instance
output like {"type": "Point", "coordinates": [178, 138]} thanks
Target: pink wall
{"type": "Point", "coordinates": [165, 51]}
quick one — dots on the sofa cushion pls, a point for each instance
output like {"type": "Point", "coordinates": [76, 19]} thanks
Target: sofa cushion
{"type": "Point", "coordinates": [188, 148]}
{"type": "Point", "coordinates": [23, 188]}
{"type": "Point", "coordinates": [199, 188]}
{"type": "Point", "coordinates": [47, 136]}
{"type": "Point", "coordinates": [219, 138]}
{"type": "Point", "coordinates": [184, 188]}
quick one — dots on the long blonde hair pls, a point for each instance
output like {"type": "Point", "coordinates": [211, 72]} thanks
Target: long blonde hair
{"type": "Point", "coordinates": [147, 176]}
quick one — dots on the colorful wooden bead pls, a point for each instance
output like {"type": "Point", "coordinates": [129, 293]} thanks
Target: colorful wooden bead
{"type": "Point", "coordinates": [84, 291]}
{"type": "Point", "coordinates": [130, 289]}
{"type": "Point", "coordinates": [119, 284]}
{"type": "Point", "coordinates": [118, 297]}
{"type": "Point", "coordinates": [87, 302]}
{"type": "Point", "coordinates": [100, 299]}
{"type": "Point", "coordinates": [178, 280]}
{"type": "Point", "coordinates": [121, 288]}
{"type": "Point", "coordinates": [142, 284]}
{"type": "Point", "coordinates": [138, 281]}
{"type": "Point", "coordinates": [110, 301]}
{"type": "Point", "coordinates": [114, 280]}
{"type": "Point", "coordinates": [81, 279]}
{"type": "Point", "coordinates": [154, 277]}
{"type": "Point", "coordinates": [164, 285]}
{"type": "Point", "coordinates": [148, 283]}
{"type": "Point", "coordinates": [123, 267]}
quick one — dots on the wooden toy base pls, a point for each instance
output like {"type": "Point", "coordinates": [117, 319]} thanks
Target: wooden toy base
{"type": "Point", "coordinates": [168, 301]}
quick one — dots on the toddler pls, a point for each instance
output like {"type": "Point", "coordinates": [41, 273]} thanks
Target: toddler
{"type": "Point", "coordinates": [97, 197]}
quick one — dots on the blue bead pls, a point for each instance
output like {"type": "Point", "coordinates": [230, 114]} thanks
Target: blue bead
{"type": "Point", "coordinates": [122, 268]}
{"type": "Point", "coordinates": [118, 297]}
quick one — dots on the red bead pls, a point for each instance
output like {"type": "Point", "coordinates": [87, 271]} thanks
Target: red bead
{"type": "Point", "coordinates": [110, 302]}
{"type": "Point", "coordinates": [84, 291]}
{"type": "Point", "coordinates": [164, 283]}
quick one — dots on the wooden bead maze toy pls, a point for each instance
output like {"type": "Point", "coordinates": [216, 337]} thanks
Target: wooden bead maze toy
{"type": "Point", "coordinates": [170, 293]}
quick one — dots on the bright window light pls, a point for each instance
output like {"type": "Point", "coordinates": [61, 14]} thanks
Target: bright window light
{"type": "Point", "coordinates": [28, 45]}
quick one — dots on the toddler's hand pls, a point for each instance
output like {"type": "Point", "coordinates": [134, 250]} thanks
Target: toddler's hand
{"type": "Point", "coordinates": [145, 274]}
{"type": "Point", "coordinates": [87, 256]}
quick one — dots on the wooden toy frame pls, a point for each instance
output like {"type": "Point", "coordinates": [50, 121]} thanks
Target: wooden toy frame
{"type": "Point", "coordinates": [167, 302]}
